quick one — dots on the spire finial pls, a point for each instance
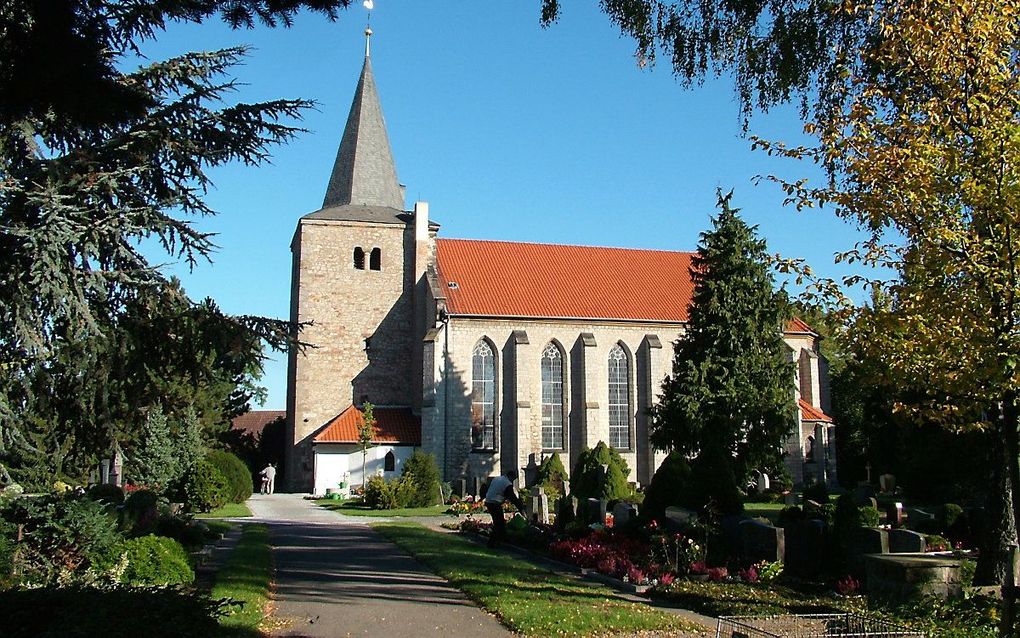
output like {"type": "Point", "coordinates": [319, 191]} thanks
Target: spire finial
{"type": "Point", "coordinates": [369, 4]}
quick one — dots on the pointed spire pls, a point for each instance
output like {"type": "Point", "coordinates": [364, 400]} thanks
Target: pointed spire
{"type": "Point", "coordinates": [364, 172]}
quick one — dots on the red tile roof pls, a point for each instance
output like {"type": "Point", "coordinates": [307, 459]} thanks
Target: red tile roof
{"type": "Point", "coordinates": [254, 421]}
{"type": "Point", "coordinates": [798, 325]}
{"type": "Point", "coordinates": [392, 425]}
{"type": "Point", "coordinates": [809, 412]}
{"type": "Point", "coordinates": [509, 279]}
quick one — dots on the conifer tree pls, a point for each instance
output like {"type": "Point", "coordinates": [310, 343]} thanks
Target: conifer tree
{"type": "Point", "coordinates": [728, 404]}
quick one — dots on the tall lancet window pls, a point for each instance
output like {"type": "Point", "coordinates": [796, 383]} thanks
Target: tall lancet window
{"type": "Point", "coordinates": [483, 397]}
{"type": "Point", "coordinates": [552, 398]}
{"type": "Point", "coordinates": [619, 399]}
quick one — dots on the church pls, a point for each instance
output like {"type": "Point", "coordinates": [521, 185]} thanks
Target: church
{"type": "Point", "coordinates": [485, 354]}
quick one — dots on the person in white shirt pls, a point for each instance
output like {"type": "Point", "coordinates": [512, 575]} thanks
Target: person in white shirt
{"type": "Point", "coordinates": [501, 489]}
{"type": "Point", "coordinates": [268, 479]}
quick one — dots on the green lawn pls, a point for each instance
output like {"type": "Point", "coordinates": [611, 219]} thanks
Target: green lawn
{"type": "Point", "coordinates": [245, 577]}
{"type": "Point", "coordinates": [355, 508]}
{"type": "Point", "coordinates": [527, 598]}
{"type": "Point", "coordinates": [230, 510]}
{"type": "Point", "coordinates": [764, 510]}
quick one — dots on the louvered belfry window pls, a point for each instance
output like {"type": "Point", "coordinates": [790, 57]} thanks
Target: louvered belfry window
{"type": "Point", "coordinates": [619, 399]}
{"type": "Point", "coordinates": [552, 398]}
{"type": "Point", "coordinates": [483, 397]}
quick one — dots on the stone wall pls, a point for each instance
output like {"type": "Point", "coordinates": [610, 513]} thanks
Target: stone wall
{"type": "Point", "coordinates": [361, 327]}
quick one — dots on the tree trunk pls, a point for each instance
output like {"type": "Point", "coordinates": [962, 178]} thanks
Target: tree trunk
{"type": "Point", "coordinates": [1011, 440]}
{"type": "Point", "coordinates": [1000, 522]}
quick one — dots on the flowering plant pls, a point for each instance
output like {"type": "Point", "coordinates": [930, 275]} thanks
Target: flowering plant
{"type": "Point", "coordinates": [677, 551]}
{"type": "Point", "coordinates": [848, 586]}
{"type": "Point", "coordinates": [717, 574]}
{"type": "Point", "coordinates": [698, 567]}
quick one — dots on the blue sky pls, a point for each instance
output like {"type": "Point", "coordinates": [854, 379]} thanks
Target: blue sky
{"type": "Point", "coordinates": [508, 130]}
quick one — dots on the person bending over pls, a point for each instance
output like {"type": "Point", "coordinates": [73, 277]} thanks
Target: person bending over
{"type": "Point", "coordinates": [501, 489]}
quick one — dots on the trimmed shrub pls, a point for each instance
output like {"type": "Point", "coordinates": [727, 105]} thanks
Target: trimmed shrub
{"type": "Point", "coordinates": [422, 478]}
{"type": "Point", "coordinates": [870, 516]}
{"type": "Point", "coordinates": [154, 560]}
{"type": "Point", "coordinates": [589, 480]}
{"type": "Point", "coordinates": [106, 493]}
{"type": "Point", "coordinates": [238, 476]}
{"type": "Point", "coordinates": [552, 476]}
{"type": "Point", "coordinates": [111, 612]}
{"type": "Point", "coordinates": [140, 513]}
{"type": "Point", "coordinates": [949, 515]}
{"type": "Point", "coordinates": [191, 535]}
{"type": "Point", "coordinates": [380, 494]}
{"type": "Point", "coordinates": [205, 488]}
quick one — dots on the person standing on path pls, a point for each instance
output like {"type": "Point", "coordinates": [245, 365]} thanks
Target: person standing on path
{"type": "Point", "coordinates": [501, 489]}
{"type": "Point", "coordinates": [268, 479]}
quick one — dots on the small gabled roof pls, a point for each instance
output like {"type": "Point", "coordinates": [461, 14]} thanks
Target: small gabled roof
{"type": "Point", "coordinates": [799, 326]}
{"type": "Point", "coordinates": [392, 425]}
{"type": "Point", "coordinates": [809, 412]}
{"type": "Point", "coordinates": [511, 279]}
{"type": "Point", "coordinates": [254, 421]}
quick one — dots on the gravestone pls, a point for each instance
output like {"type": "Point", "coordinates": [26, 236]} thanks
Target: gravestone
{"type": "Point", "coordinates": [887, 483]}
{"type": "Point", "coordinates": [623, 513]}
{"type": "Point", "coordinates": [595, 511]}
{"type": "Point", "coordinates": [763, 483]}
{"type": "Point", "coordinates": [905, 541]}
{"type": "Point", "coordinates": [873, 502]}
{"type": "Point", "coordinates": [761, 541]}
{"type": "Point", "coordinates": [566, 512]}
{"type": "Point", "coordinates": [864, 541]}
{"type": "Point", "coordinates": [476, 486]}
{"type": "Point", "coordinates": [680, 519]}
{"type": "Point", "coordinates": [460, 487]}
{"type": "Point", "coordinates": [805, 547]}
{"type": "Point", "coordinates": [894, 515]}
{"type": "Point", "coordinates": [789, 499]}
{"type": "Point", "coordinates": [538, 506]}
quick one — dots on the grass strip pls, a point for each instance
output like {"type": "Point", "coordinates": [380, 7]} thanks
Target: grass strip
{"type": "Point", "coordinates": [527, 598]}
{"type": "Point", "coordinates": [355, 508]}
{"type": "Point", "coordinates": [218, 528]}
{"type": "Point", "coordinates": [245, 577]}
{"type": "Point", "coordinates": [230, 510]}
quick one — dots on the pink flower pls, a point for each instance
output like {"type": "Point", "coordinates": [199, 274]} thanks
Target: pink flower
{"type": "Point", "coordinates": [699, 567]}
{"type": "Point", "coordinates": [848, 586]}
{"type": "Point", "coordinates": [716, 574]}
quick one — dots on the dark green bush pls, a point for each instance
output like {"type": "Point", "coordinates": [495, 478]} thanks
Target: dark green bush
{"type": "Point", "coordinates": [551, 476]}
{"type": "Point", "coordinates": [816, 491]}
{"type": "Point", "coordinates": [667, 484]}
{"type": "Point", "coordinates": [949, 515]}
{"type": "Point", "coordinates": [106, 493]}
{"type": "Point", "coordinates": [154, 560]}
{"type": "Point", "coordinates": [113, 612]}
{"type": "Point", "coordinates": [191, 535]}
{"type": "Point", "coordinates": [789, 516]}
{"type": "Point", "coordinates": [422, 481]}
{"type": "Point", "coordinates": [140, 513]}
{"type": "Point", "coordinates": [205, 488]}
{"type": "Point", "coordinates": [63, 536]}
{"type": "Point", "coordinates": [235, 471]}
{"type": "Point", "coordinates": [589, 480]}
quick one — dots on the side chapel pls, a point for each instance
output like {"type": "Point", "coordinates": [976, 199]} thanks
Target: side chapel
{"type": "Point", "coordinates": [485, 354]}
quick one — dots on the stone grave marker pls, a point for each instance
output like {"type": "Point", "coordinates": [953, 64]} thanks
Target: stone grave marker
{"type": "Point", "coordinates": [887, 482]}
{"type": "Point", "coordinates": [538, 506]}
{"type": "Point", "coordinates": [894, 515]}
{"type": "Point", "coordinates": [763, 483]}
{"type": "Point", "coordinates": [789, 499]}
{"type": "Point", "coordinates": [680, 518]}
{"type": "Point", "coordinates": [761, 541]}
{"type": "Point", "coordinates": [595, 511]}
{"type": "Point", "coordinates": [460, 487]}
{"type": "Point", "coordinates": [623, 513]}
{"type": "Point", "coordinates": [805, 547]}
{"type": "Point", "coordinates": [476, 486]}
{"type": "Point", "coordinates": [905, 541]}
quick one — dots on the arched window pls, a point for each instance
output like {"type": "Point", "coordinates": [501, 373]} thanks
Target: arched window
{"type": "Point", "coordinates": [375, 259]}
{"type": "Point", "coordinates": [552, 398]}
{"type": "Point", "coordinates": [359, 258]}
{"type": "Point", "coordinates": [483, 397]}
{"type": "Point", "coordinates": [390, 462]}
{"type": "Point", "coordinates": [619, 399]}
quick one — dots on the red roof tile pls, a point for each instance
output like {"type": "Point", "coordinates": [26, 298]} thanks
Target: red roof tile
{"type": "Point", "coordinates": [254, 421]}
{"type": "Point", "coordinates": [809, 412]}
{"type": "Point", "coordinates": [509, 279]}
{"type": "Point", "coordinates": [392, 425]}
{"type": "Point", "coordinates": [798, 325]}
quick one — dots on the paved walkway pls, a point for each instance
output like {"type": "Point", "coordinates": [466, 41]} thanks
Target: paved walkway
{"type": "Point", "coordinates": [336, 577]}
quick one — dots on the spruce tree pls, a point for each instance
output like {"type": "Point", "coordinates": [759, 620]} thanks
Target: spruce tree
{"type": "Point", "coordinates": [728, 404]}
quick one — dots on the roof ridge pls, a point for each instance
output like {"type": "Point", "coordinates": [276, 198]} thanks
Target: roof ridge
{"type": "Point", "coordinates": [560, 245]}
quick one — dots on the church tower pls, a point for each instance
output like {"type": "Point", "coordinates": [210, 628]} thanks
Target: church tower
{"type": "Point", "coordinates": [352, 287]}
